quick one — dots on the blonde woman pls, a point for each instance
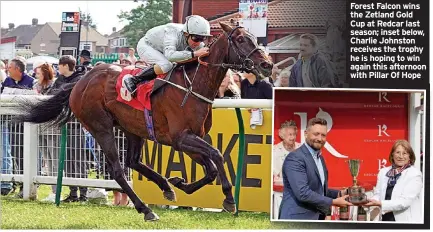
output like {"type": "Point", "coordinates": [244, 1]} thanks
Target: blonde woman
{"type": "Point", "coordinates": [399, 187]}
{"type": "Point", "coordinates": [228, 87]}
{"type": "Point", "coordinates": [233, 85]}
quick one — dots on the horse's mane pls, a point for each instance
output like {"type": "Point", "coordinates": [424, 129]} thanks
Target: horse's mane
{"type": "Point", "coordinates": [214, 40]}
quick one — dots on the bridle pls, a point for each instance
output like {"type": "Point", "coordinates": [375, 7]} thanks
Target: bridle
{"type": "Point", "coordinates": [246, 64]}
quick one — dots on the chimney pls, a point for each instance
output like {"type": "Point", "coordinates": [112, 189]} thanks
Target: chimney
{"type": "Point", "coordinates": [114, 29]}
{"type": "Point", "coordinates": [11, 26]}
{"type": "Point", "coordinates": [34, 21]}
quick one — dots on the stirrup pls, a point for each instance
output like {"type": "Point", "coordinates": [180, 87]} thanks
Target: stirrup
{"type": "Point", "coordinates": [131, 84]}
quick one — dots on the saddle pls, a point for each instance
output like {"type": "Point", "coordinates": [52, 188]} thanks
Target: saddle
{"type": "Point", "coordinates": [144, 90]}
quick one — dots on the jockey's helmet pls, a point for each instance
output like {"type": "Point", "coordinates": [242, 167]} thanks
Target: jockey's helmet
{"type": "Point", "coordinates": [197, 25]}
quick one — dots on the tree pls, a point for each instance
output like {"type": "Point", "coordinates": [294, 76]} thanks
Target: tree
{"type": "Point", "coordinates": [146, 16]}
{"type": "Point", "coordinates": [87, 19]}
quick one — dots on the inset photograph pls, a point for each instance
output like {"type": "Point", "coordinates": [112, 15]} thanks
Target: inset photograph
{"type": "Point", "coordinates": [353, 155]}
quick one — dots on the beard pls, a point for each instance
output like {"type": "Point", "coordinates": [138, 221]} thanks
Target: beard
{"type": "Point", "coordinates": [315, 144]}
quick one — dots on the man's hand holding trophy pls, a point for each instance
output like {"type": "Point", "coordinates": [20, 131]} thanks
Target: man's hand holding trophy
{"type": "Point", "coordinates": [354, 195]}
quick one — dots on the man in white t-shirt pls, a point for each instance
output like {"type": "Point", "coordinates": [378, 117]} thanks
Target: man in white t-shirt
{"type": "Point", "coordinates": [287, 132]}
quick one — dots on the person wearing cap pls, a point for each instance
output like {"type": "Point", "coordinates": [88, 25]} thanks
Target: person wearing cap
{"type": "Point", "coordinates": [85, 61]}
{"type": "Point", "coordinates": [165, 44]}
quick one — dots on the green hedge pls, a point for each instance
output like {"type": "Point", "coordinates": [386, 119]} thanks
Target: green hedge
{"type": "Point", "coordinates": [107, 58]}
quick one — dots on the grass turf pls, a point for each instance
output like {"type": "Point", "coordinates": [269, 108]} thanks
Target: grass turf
{"type": "Point", "coordinates": [20, 214]}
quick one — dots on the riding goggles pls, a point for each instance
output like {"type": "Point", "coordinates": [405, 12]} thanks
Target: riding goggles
{"type": "Point", "coordinates": [197, 38]}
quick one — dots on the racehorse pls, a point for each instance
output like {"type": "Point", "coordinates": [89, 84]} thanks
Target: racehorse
{"type": "Point", "coordinates": [179, 122]}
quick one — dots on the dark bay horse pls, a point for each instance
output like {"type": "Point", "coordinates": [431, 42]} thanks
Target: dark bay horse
{"type": "Point", "coordinates": [92, 100]}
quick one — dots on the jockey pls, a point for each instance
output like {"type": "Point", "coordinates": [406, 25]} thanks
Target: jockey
{"type": "Point", "coordinates": [169, 43]}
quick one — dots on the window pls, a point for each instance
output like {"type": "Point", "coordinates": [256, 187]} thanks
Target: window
{"type": "Point", "coordinates": [122, 42]}
{"type": "Point", "coordinates": [118, 42]}
{"type": "Point", "coordinates": [28, 47]}
{"type": "Point", "coordinates": [42, 47]}
{"type": "Point", "coordinates": [101, 49]}
{"type": "Point", "coordinates": [86, 46]}
{"type": "Point", "coordinates": [113, 43]}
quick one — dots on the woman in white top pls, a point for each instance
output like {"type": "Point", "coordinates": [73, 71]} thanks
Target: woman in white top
{"type": "Point", "coordinates": [399, 187]}
{"type": "Point", "coordinates": [287, 132]}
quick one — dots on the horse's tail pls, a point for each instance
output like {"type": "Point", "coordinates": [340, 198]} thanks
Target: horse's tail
{"type": "Point", "coordinates": [54, 111]}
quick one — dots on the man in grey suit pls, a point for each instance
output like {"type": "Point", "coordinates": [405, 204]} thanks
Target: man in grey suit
{"type": "Point", "coordinates": [305, 176]}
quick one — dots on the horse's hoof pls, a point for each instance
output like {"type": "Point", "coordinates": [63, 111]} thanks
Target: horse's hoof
{"type": "Point", "coordinates": [170, 195]}
{"type": "Point", "coordinates": [229, 207]}
{"type": "Point", "coordinates": [151, 217]}
{"type": "Point", "coordinates": [176, 181]}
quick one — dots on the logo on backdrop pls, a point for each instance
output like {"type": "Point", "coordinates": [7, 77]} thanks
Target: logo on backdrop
{"type": "Point", "coordinates": [382, 163]}
{"type": "Point", "coordinates": [325, 115]}
{"type": "Point", "coordinates": [382, 96]}
{"type": "Point", "coordinates": [382, 130]}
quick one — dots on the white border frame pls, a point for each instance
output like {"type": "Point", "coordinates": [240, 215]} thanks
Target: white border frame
{"type": "Point", "coordinates": [351, 90]}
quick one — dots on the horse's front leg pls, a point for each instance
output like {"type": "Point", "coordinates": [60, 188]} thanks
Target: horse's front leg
{"type": "Point", "coordinates": [210, 171]}
{"type": "Point", "coordinates": [191, 143]}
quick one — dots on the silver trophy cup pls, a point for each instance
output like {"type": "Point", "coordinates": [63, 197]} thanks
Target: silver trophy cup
{"type": "Point", "coordinates": [356, 193]}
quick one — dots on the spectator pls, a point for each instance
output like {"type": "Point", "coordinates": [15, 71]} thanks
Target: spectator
{"type": "Point", "coordinates": [283, 78]}
{"type": "Point", "coordinates": [85, 62]}
{"type": "Point", "coordinates": [125, 61]}
{"type": "Point", "coordinates": [6, 62]}
{"type": "Point", "coordinates": [313, 69]}
{"type": "Point", "coordinates": [228, 88]}
{"type": "Point", "coordinates": [131, 56]}
{"type": "Point", "coordinates": [17, 78]}
{"type": "Point", "coordinates": [67, 73]}
{"type": "Point", "coordinates": [121, 57]}
{"type": "Point", "coordinates": [236, 79]}
{"type": "Point", "coordinates": [76, 154]}
{"type": "Point", "coordinates": [287, 133]}
{"type": "Point", "coordinates": [251, 88]}
{"type": "Point", "coordinates": [3, 75]}
{"type": "Point", "coordinates": [6, 167]}
{"type": "Point", "coordinates": [45, 78]}
{"type": "Point", "coordinates": [49, 144]}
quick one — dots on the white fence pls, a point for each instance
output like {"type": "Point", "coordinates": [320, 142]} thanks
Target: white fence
{"type": "Point", "coordinates": [35, 151]}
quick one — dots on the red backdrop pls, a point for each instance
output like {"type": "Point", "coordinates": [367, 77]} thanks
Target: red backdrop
{"type": "Point", "coordinates": [364, 125]}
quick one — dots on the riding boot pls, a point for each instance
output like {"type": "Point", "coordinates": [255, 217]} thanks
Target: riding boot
{"type": "Point", "coordinates": [132, 82]}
